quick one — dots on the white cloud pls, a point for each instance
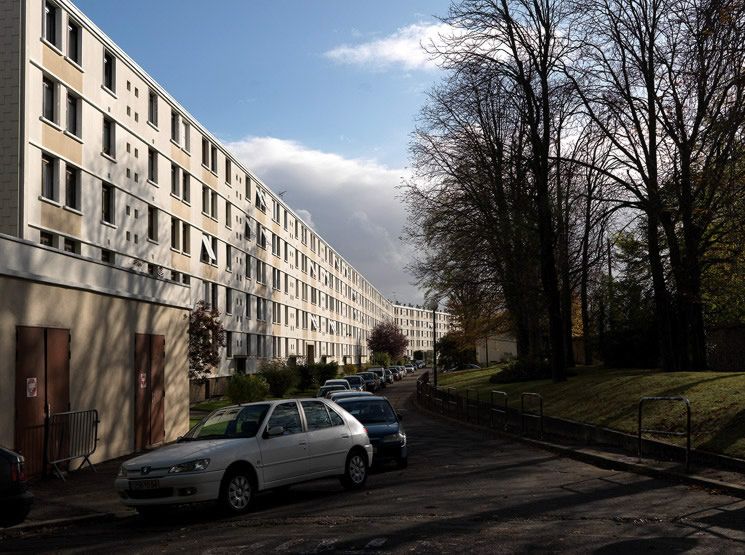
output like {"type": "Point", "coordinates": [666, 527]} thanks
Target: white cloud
{"type": "Point", "coordinates": [405, 47]}
{"type": "Point", "coordinates": [351, 203]}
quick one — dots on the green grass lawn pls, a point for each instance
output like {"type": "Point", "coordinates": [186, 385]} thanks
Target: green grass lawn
{"type": "Point", "coordinates": [211, 404]}
{"type": "Point", "coordinates": [610, 398]}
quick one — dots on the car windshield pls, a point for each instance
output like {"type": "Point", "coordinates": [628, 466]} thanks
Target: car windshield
{"type": "Point", "coordinates": [370, 411]}
{"type": "Point", "coordinates": [230, 423]}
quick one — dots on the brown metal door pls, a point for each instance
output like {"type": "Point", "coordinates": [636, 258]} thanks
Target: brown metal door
{"type": "Point", "coordinates": [58, 389]}
{"type": "Point", "coordinates": [157, 393]}
{"type": "Point", "coordinates": [30, 396]}
{"type": "Point", "coordinates": [142, 391]}
{"type": "Point", "coordinates": [58, 370]}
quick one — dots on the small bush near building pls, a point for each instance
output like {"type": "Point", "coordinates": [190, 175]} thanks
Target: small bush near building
{"type": "Point", "coordinates": [350, 369]}
{"type": "Point", "coordinates": [279, 376]}
{"type": "Point", "coordinates": [247, 389]}
{"type": "Point", "coordinates": [381, 359]}
{"type": "Point", "coordinates": [324, 372]}
{"type": "Point", "coordinates": [523, 370]}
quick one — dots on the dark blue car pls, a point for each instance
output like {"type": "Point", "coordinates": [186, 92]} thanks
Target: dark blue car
{"type": "Point", "coordinates": [384, 428]}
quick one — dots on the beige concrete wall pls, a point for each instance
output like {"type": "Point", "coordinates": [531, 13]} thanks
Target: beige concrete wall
{"type": "Point", "coordinates": [102, 331]}
{"type": "Point", "coordinates": [500, 348]}
{"type": "Point", "coordinates": [10, 106]}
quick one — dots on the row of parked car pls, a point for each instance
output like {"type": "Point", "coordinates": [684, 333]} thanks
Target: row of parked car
{"type": "Point", "coordinates": [240, 450]}
{"type": "Point", "coordinates": [371, 379]}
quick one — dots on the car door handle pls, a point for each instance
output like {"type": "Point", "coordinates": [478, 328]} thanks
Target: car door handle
{"type": "Point", "coordinates": [345, 436]}
{"type": "Point", "coordinates": [302, 442]}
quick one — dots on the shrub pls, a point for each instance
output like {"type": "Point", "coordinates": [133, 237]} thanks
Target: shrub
{"type": "Point", "coordinates": [323, 372]}
{"type": "Point", "coordinates": [247, 388]}
{"type": "Point", "coordinates": [279, 375]}
{"type": "Point", "coordinates": [350, 369]}
{"type": "Point", "coordinates": [523, 370]}
{"type": "Point", "coordinates": [306, 377]}
{"type": "Point", "coordinates": [381, 359]}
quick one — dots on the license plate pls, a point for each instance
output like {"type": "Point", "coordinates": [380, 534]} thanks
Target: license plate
{"type": "Point", "coordinates": [143, 484]}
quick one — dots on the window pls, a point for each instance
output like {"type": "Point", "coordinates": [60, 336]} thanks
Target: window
{"type": "Point", "coordinates": [175, 233]}
{"type": "Point", "coordinates": [152, 108]}
{"type": "Point", "coordinates": [213, 205]}
{"type": "Point", "coordinates": [316, 415]}
{"type": "Point", "coordinates": [152, 223]}
{"type": "Point", "coordinates": [228, 171]}
{"type": "Point", "coordinates": [248, 188]}
{"type": "Point", "coordinates": [228, 214]}
{"type": "Point", "coordinates": [228, 300]}
{"type": "Point", "coordinates": [229, 258]}
{"type": "Point", "coordinates": [71, 245]}
{"type": "Point", "coordinates": [72, 187]}
{"type": "Point", "coordinates": [152, 165]}
{"type": "Point", "coordinates": [109, 71]}
{"type": "Point", "coordinates": [185, 187]}
{"type": "Point", "coordinates": [108, 137]}
{"type": "Point", "coordinates": [187, 142]}
{"type": "Point", "coordinates": [186, 238]}
{"type": "Point", "coordinates": [175, 182]}
{"type": "Point", "coordinates": [213, 164]}
{"type": "Point", "coordinates": [73, 113]}
{"type": "Point", "coordinates": [73, 41]}
{"type": "Point", "coordinates": [208, 253]}
{"type": "Point", "coordinates": [260, 309]}
{"type": "Point", "coordinates": [285, 415]}
{"type": "Point", "coordinates": [46, 239]}
{"type": "Point", "coordinates": [205, 199]}
{"type": "Point", "coordinates": [175, 127]}
{"type": "Point", "coordinates": [51, 17]}
{"type": "Point", "coordinates": [48, 177]}
{"type": "Point", "coordinates": [107, 256]}
{"type": "Point", "coordinates": [205, 152]}
{"type": "Point", "coordinates": [229, 344]}
{"type": "Point", "coordinates": [49, 90]}
{"type": "Point", "coordinates": [107, 203]}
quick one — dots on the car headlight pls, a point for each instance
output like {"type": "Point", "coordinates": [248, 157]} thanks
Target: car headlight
{"type": "Point", "coordinates": [390, 438]}
{"type": "Point", "coordinates": [191, 466]}
{"type": "Point", "coordinates": [122, 472]}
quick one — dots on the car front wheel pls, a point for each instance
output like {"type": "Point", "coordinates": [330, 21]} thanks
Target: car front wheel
{"type": "Point", "coordinates": [355, 471]}
{"type": "Point", "coordinates": [237, 492]}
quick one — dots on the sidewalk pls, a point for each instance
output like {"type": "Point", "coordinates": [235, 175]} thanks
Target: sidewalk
{"type": "Point", "coordinates": [84, 495]}
{"type": "Point", "coordinates": [714, 479]}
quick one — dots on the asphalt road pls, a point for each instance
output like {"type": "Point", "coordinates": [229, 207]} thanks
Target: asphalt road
{"type": "Point", "coordinates": [461, 492]}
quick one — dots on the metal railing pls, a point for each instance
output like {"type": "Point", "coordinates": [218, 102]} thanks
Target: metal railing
{"type": "Point", "coordinates": [472, 403]}
{"type": "Point", "coordinates": [524, 415]}
{"type": "Point", "coordinates": [72, 435]}
{"type": "Point", "coordinates": [687, 434]}
{"type": "Point", "coordinates": [493, 410]}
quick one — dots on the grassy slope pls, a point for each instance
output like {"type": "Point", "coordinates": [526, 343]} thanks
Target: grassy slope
{"type": "Point", "coordinates": [610, 398]}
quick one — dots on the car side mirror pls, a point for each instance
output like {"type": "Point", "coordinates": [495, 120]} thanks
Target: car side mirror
{"type": "Point", "coordinates": [274, 431]}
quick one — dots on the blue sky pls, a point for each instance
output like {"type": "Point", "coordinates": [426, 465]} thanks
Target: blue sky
{"type": "Point", "coordinates": [318, 98]}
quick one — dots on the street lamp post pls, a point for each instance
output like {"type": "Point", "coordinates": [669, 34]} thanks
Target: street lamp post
{"type": "Point", "coordinates": [434, 342]}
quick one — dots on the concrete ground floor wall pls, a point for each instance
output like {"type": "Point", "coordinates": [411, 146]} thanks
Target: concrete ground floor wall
{"type": "Point", "coordinates": [101, 356]}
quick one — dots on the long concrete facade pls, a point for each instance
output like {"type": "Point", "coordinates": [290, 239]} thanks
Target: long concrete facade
{"type": "Point", "coordinates": [104, 165]}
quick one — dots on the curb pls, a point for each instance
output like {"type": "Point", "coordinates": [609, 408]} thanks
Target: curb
{"type": "Point", "coordinates": [596, 459]}
{"type": "Point", "coordinates": [21, 529]}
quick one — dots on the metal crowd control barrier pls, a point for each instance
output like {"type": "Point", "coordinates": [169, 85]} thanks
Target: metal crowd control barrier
{"type": "Point", "coordinates": [686, 434]}
{"type": "Point", "coordinates": [72, 435]}
{"type": "Point", "coordinates": [494, 410]}
{"type": "Point", "coordinates": [524, 415]}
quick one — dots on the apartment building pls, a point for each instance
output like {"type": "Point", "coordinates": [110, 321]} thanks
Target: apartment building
{"type": "Point", "coordinates": [107, 177]}
{"type": "Point", "coordinates": [418, 325]}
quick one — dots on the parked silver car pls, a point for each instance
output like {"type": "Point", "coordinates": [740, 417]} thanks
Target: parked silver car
{"type": "Point", "coordinates": [240, 450]}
